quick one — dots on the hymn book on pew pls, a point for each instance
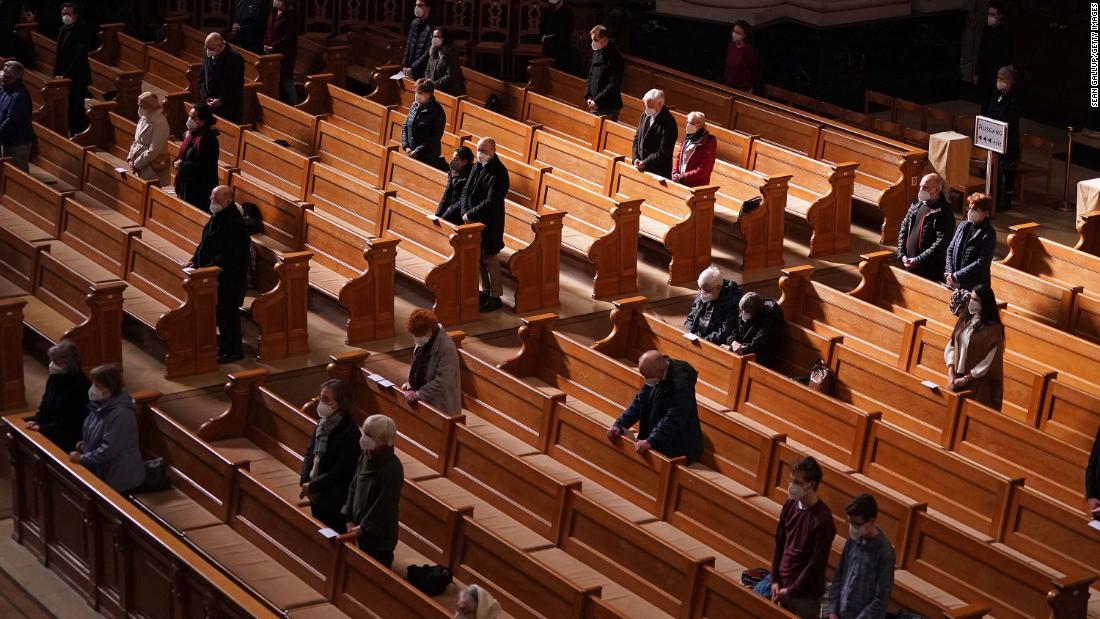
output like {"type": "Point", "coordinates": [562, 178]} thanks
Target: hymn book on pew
{"type": "Point", "coordinates": [382, 381]}
{"type": "Point", "coordinates": [328, 533]}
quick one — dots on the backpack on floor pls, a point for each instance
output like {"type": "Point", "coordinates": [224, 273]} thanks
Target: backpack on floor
{"type": "Point", "coordinates": [431, 579]}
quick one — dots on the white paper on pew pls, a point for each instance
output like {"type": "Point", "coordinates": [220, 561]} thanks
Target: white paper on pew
{"type": "Point", "coordinates": [931, 385]}
{"type": "Point", "coordinates": [328, 533]}
{"type": "Point", "coordinates": [189, 270]}
{"type": "Point", "coordinates": [691, 337]}
{"type": "Point", "coordinates": [120, 170]}
{"type": "Point", "coordinates": [630, 434]}
{"type": "Point", "coordinates": [385, 384]}
{"type": "Point", "coordinates": [1095, 524]}
{"type": "Point", "coordinates": [376, 377]}
{"type": "Point", "coordinates": [433, 217]}
{"type": "Point", "coordinates": [399, 75]}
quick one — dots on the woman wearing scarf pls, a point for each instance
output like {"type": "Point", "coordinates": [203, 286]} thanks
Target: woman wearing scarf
{"type": "Point", "coordinates": [975, 354]}
{"type": "Point", "coordinates": [476, 603]}
{"type": "Point", "coordinates": [694, 160]}
{"type": "Point", "coordinates": [333, 452]}
{"type": "Point", "coordinates": [197, 164]}
{"type": "Point", "coordinates": [433, 373]}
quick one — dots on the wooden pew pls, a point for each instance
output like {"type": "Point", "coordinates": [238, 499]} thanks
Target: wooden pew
{"type": "Point", "coordinates": [569, 89]}
{"type": "Point", "coordinates": [481, 88]}
{"type": "Point", "coordinates": [756, 233]}
{"type": "Point", "coordinates": [279, 121]}
{"type": "Point", "coordinates": [277, 168]}
{"type": "Point", "coordinates": [59, 158]}
{"type": "Point", "coordinates": [348, 151]}
{"type": "Point", "coordinates": [49, 99]}
{"type": "Point", "coordinates": [34, 206]}
{"type": "Point", "coordinates": [562, 119]}
{"type": "Point", "coordinates": [12, 301]}
{"type": "Point", "coordinates": [371, 48]}
{"type": "Point", "coordinates": [329, 56]}
{"type": "Point", "coordinates": [819, 194]}
{"type": "Point", "coordinates": [594, 170]}
{"type": "Point", "coordinates": [513, 137]}
{"type": "Point", "coordinates": [151, 572]}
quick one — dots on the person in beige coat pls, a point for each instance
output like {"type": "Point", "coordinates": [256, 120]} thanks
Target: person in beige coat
{"type": "Point", "coordinates": [434, 370]}
{"type": "Point", "coordinates": [975, 354]}
{"type": "Point", "coordinates": [147, 153]}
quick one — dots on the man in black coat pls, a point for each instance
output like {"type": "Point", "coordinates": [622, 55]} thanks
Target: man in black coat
{"type": "Point", "coordinates": [926, 230]}
{"type": "Point", "coordinates": [483, 202]}
{"type": "Point", "coordinates": [225, 244]}
{"type": "Point", "coordinates": [1003, 106]}
{"type": "Point", "coordinates": [250, 24]}
{"type": "Point", "coordinates": [666, 407]}
{"type": "Point", "coordinates": [419, 43]}
{"type": "Point", "coordinates": [714, 311]}
{"type": "Point", "coordinates": [758, 329]}
{"type": "Point", "coordinates": [655, 139]}
{"type": "Point", "coordinates": [994, 51]}
{"type": "Point", "coordinates": [16, 128]}
{"type": "Point", "coordinates": [221, 80]}
{"type": "Point", "coordinates": [74, 41]}
{"type": "Point", "coordinates": [556, 33]}
{"type": "Point", "coordinates": [605, 76]}
{"type": "Point", "coordinates": [423, 128]}
{"type": "Point", "coordinates": [450, 205]}
{"type": "Point", "coordinates": [332, 456]}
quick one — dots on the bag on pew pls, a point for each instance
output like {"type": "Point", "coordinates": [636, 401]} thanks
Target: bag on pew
{"type": "Point", "coordinates": [431, 579]}
{"type": "Point", "coordinates": [750, 578]}
{"type": "Point", "coordinates": [821, 377]}
{"type": "Point", "coordinates": [904, 614]}
{"type": "Point", "coordinates": [751, 205]}
{"type": "Point", "coordinates": [959, 299]}
{"type": "Point", "coordinates": [156, 477]}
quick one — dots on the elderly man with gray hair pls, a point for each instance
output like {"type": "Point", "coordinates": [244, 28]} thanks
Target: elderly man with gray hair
{"type": "Point", "coordinates": [655, 138]}
{"type": "Point", "coordinates": [714, 311]}
{"type": "Point", "coordinates": [666, 408]}
{"type": "Point", "coordinates": [926, 230]}
{"type": "Point", "coordinates": [221, 79]}
{"type": "Point", "coordinates": [16, 130]}
{"type": "Point", "coordinates": [375, 492]}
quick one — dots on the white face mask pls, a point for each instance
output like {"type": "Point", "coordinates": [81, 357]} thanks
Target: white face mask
{"type": "Point", "coordinates": [367, 443]}
{"type": "Point", "coordinates": [215, 208]}
{"type": "Point", "coordinates": [418, 11]}
{"type": "Point", "coordinates": [924, 196]}
{"type": "Point", "coordinates": [421, 340]}
{"type": "Point", "coordinates": [745, 316]}
{"type": "Point", "coordinates": [992, 21]}
{"type": "Point", "coordinates": [690, 129]}
{"type": "Point", "coordinates": [652, 381]}
{"type": "Point", "coordinates": [974, 216]}
{"type": "Point", "coordinates": [1002, 85]}
{"type": "Point", "coordinates": [211, 53]}
{"type": "Point", "coordinates": [974, 308]}
{"type": "Point", "coordinates": [95, 394]}
{"type": "Point", "coordinates": [483, 158]}
{"type": "Point", "coordinates": [56, 369]}
{"type": "Point", "coordinates": [143, 113]}
{"type": "Point", "coordinates": [795, 491]}
{"type": "Point", "coordinates": [596, 46]}
{"type": "Point", "coordinates": [437, 42]}
{"type": "Point", "coordinates": [324, 410]}
{"type": "Point", "coordinates": [706, 297]}
{"type": "Point", "coordinates": [67, 20]}
{"type": "Point", "coordinates": [737, 38]}
{"type": "Point", "coordinates": [192, 124]}
{"type": "Point", "coordinates": [650, 112]}
{"type": "Point", "coordinates": [856, 533]}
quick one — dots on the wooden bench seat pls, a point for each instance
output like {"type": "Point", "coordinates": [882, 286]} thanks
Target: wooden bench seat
{"type": "Point", "coordinates": [60, 161]}
{"type": "Point", "coordinates": [279, 168]}
{"type": "Point", "coordinates": [350, 151]}
{"type": "Point", "coordinates": [49, 100]}
{"type": "Point", "coordinates": [513, 137]}
{"type": "Point", "coordinates": [562, 119]}
{"type": "Point", "coordinates": [279, 121]}
{"type": "Point", "coordinates": [371, 47]}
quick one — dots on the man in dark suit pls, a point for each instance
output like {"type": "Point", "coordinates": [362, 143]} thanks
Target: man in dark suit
{"type": "Point", "coordinates": [423, 128]}
{"type": "Point", "coordinates": [605, 76]}
{"type": "Point", "coordinates": [483, 202]}
{"type": "Point", "coordinates": [74, 41]}
{"type": "Point", "coordinates": [250, 24]}
{"type": "Point", "coordinates": [419, 44]}
{"type": "Point", "coordinates": [225, 244]}
{"type": "Point", "coordinates": [221, 80]}
{"type": "Point", "coordinates": [655, 139]}
{"type": "Point", "coordinates": [666, 408]}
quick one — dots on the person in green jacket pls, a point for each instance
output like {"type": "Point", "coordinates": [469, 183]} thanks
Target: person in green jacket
{"type": "Point", "coordinates": [371, 508]}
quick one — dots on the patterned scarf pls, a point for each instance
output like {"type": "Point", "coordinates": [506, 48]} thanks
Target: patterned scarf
{"type": "Point", "coordinates": [320, 440]}
{"type": "Point", "coordinates": [418, 369]}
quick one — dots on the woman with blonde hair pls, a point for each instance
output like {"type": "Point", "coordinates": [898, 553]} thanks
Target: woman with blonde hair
{"type": "Point", "coordinates": [148, 157]}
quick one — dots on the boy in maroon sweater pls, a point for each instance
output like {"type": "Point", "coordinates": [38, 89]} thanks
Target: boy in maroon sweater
{"type": "Point", "coordinates": [802, 542]}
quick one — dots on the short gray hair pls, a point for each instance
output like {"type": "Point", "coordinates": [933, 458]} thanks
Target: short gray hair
{"type": "Point", "coordinates": [15, 68]}
{"type": "Point", "coordinates": [66, 354]}
{"type": "Point", "coordinates": [654, 94]}
{"type": "Point", "coordinates": [697, 116]}
{"type": "Point", "coordinates": [710, 276]}
{"type": "Point", "coordinates": [381, 428]}
{"type": "Point", "coordinates": [1009, 72]}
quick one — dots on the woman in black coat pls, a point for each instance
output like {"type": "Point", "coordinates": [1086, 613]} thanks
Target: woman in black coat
{"type": "Point", "coordinates": [450, 205]}
{"type": "Point", "coordinates": [970, 253]}
{"type": "Point", "coordinates": [332, 456]}
{"type": "Point", "coordinates": [64, 405]}
{"type": "Point", "coordinates": [197, 164]}
{"type": "Point", "coordinates": [443, 67]}
{"type": "Point", "coordinates": [424, 126]}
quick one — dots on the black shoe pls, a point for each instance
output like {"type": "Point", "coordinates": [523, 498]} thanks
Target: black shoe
{"type": "Point", "coordinates": [229, 358]}
{"type": "Point", "coordinates": [482, 297]}
{"type": "Point", "coordinates": [491, 304]}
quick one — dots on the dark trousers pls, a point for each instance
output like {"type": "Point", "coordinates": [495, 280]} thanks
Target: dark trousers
{"type": "Point", "coordinates": [332, 519]}
{"type": "Point", "coordinates": [228, 314]}
{"type": "Point", "coordinates": [78, 119]}
{"type": "Point", "coordinates": [612, 115]}
{"type": "Point", "coordinates": [385, 557]}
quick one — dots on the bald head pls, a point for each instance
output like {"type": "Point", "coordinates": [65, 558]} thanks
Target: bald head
{"type": "Point", "coordinates": [652, 365]}
{"type": "Point", "coordinates": [933, 184]}
{"type": "Point", "coordinates": [214, 44]}
{"type": "Point", "coordinates": [486, 149]}
{"type": "Point", "coordinates": [222, 195]}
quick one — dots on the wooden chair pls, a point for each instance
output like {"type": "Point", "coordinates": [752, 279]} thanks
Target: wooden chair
{"type": "Point", "coordinates": [528, 44]}
{"type": "Point", "coordinates": [458, 20]}
{"type": "Point", "coordinates": [1026, 170]}
{"type": "Point", "coordinates": [936, 120]}
{"type": "Point", "coordinates": [494, 37]}
{"type": "Point", "coordinates": [964, 124]}
{"type": "Point", "coordinates": [882, 126]}
{"type": "Point", "coordinates": [973, 183]}
{"type": "Point", "coordinates": [872, 97]}
{"type": "Point", "coordinates": [909, 114]}
{"type": "Point", "coordinates": [916, 137]}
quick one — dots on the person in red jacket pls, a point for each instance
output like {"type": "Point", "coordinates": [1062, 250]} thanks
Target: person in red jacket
{"type": "Point", "coordinates": [694, 160]}
{"type": "Point", "coordinates": [742, 66]}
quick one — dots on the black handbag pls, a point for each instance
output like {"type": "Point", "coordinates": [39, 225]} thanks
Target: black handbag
{"type": "Point", "coordinates": [431, 579]}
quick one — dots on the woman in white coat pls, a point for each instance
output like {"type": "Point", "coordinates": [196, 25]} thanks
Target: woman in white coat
{"type": "Point", "coordinates": [147, 157]}
{"type": "Point", "coordinates": [434, 370]}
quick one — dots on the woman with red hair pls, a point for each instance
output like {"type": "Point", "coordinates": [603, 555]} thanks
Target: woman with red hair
{"type": "Point", "coordinates": [433, 372]}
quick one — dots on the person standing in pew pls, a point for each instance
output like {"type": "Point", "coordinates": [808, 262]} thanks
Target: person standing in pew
{"type": "Point", "coordinates": [757, 329]}
{"type": "Point", "coordinates": [862, 583]}
{"type": "Point", "coordinates": [371, 510]}
{"type": "Point", "coordinates": [995, 50]}
{"type": "Point", "coordinates": [450, 205]}
{"type": "Point", "coordinates": [694, 160]}
{"type": "Point", "coordinates": [714, 311]}
{"type": "Point", "coordinates": [444, 70]}
{"type": "Point", "coordinates": [742, 68]}
{"type": "Point", "coordinates": [556, 34]}
{"type": "Point", "coordinates": [329, 464]}
{"type": "Point", "coordinates": [74, 41]}
{"type": "Point", "coordinates": [666, 408]}
{"type": "Point", "coordinates": [1004, 106]}
{"type": "Point", "coordinates": [802, 542]}
{"type": "Point", "coordinates": [148, 157]}
{"type": "Point", "coordinates": [109, 445]}
{"type": "Point", "coordinates": [282, 38]}
{"type": "Point", "coordinates": [221, 79]}
{"type": "Point", "coordinates": [16, 128]}
{"type": "Point", "coordinates": [197, 163]}
{"type": "Point", "coordinates": [415, 61]}
{"type": "Point", "coordinates": [1092, 479]}
{"type": "Point", "coordinates": [926, 230]}
{"type": "Point", "coordinates": [434, 372]}
{"type": "Point", "coordinates": [423, 128]}
{"type": "Point", "coordinates": [225, 244]}
{"type": "Point", "coordinates": [603, 95]}
{"type": "Point", "coordinates": [975, 354]}
{"type": "Point", "coordinates": [64, 405]}
{"type": "Point", "coordinates": [655, 138]}
{"type": "Point", "coordinates": [970, 253]}
{"type": "Point", "coordinates": [483, 202]}
{"type": "Point", "coordinates": [249, 23]}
